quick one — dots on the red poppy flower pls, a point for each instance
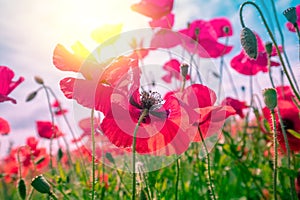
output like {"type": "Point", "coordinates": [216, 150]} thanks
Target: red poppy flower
{"type": "Point", "coordinates": [47, 130]}
{"type": "Point", "coordinates": [85, 126]}
{"type": "Point", "coordinates": [237, 105]}
{"type": "Point", "coordinates": [164, 22]}
{"type": "Point", "coordinates": [153, 8]}
{"type": "Point", "coordinates": [173, 69]}
{"type": "Point", "coordinates": [4, 127]}
{"type": "Point", "coordinates": [206, 35]}
{"type": "Point", "coordinates": [58, 110]}
{"type": "Point", "coordinates": [285, 93]}
{"type": "Point", "coordinates": [289, 25]}
{"type": "Point", "coordinates": [291, 120]}
{"type": "Point", "coordinates": [159, 129]}
{"type": "Point", "coordinates": [32, 158]}
{"type": "Point", "coordinates": [7, 85]}
{"type": "Point", "coordinates": [198, 101]}
{"type": "Point", "coordinates": [247, 66]}
{"type": "Point", "coordinates": [102, 85]}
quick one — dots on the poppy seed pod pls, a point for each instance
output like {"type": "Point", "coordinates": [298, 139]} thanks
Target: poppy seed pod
{"type": "Point", "coordinates": [290, 15]}
{"type": "Point", "coordinates": [41, 184]}
{"type": "Point", "coordinates": [270, 98]}
{"type": "Point", "coordinates": [249, 42]}
{"type": "Point", "coordinates": [184, 70]}
{"type": "Point", "coordinates": [39, 80]}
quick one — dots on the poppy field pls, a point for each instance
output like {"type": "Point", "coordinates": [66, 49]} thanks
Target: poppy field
{"type": "Point", "coordinates": [158, 112]}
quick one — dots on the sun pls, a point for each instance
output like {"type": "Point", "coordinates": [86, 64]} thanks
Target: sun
{"type": "Point", "coordinates": [78, 20]}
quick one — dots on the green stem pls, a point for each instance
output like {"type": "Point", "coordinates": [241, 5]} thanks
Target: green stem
{"type": "Point", "coordinates": [53, 196]}
{"type": "Point", "coordinates": [298, 34]}
{"type": "Point", "coordinates": [177, 178]}
{"type": "Point", "coordinates": [292, 183]}
{"type": "Point", "coordinates": [208, 177]}
{"type": "Point", "coordinates": [282, 44]}
{"type": "Point", "coordinates": [73, 135]}
{"type": "Point", "coordinates": [93, 153]}
{"type": "Point", "coordinates": [273, 40]}
{"type": "Point", "coordinates": [275, 162]}
{"type": "Point", "coordinates": [53, 133]}
{"type": "Point", "coordinates": [144, 113]}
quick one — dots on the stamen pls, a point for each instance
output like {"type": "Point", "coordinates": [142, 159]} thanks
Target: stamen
{"type": "Point", "coordinates": [150, 99]}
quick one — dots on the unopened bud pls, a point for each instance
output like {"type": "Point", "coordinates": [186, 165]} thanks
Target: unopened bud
{"type": "Point", "coordinates": [249, 42]}
{"type": "Point", "coordinates": [291, 15]}
{"type": "Point", "coordinates": [270, 98]}
{"type": "Point", "coordinates": [41, 184]}
{"type": "Point", "coordinates": [184, 70]}
{"type": "Point", "coordinates": [31, 96]}
{"type": "Point", "coordinates": [22, 189]}
{"type": "Point", "coordinates": [39, 80]}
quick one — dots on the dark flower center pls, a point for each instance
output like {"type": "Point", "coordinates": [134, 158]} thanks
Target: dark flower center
{"type": "Point", "coordinates": [288, 124]}
{"type": "Point", "coordinates": [149, 99]}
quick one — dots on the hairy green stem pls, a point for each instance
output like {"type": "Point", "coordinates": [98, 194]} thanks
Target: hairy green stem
{"type": "Point", "coordinates": [142, 116]}
{"type": "Point", "coordinates": [275, 162]}
{"type": "Point", "coordinates": [292, 183]}
{"type": "Point", "coordinates": [177, 178]}
{"type": "Point", "coordinates": [53, 133]}
{"type": "Point", "coordinates": [208, 177]}
{"type": "Point", "coordinates": [283, 45]}
{"type": "Point", "coordinates": [273, 40]}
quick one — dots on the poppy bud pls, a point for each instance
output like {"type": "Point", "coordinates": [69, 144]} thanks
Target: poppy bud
{"type": "Point", "coordinates": [31, 96]}
{"type": "Point", "coordinates": [184, 70]}
{"type": "Point", "coordinates": [290, 15]}
{"type": "Point", "coordinates": [249, 42]}
{"type": "Point", "coordinates": [270, 98]}
{"type": "Point", "coordinates": [41, 184]}
{"type": "Point", "coordinates": [22, 188]}
{"type": "Point", "coordinates": [39, 80]}
{"type": "Point", "coordinates": [269, 46]}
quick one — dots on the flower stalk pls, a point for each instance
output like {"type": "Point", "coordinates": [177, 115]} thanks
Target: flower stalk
{"type": "Point", "coordinates": [144, 114]}
{"type": "Point", "coordinates": [273, 41]}
{"type": "Point", "coordinates": [208, 177]}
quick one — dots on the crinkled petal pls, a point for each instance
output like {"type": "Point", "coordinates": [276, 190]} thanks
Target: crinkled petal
{"type": "Point", "coordinates": [164, 22]}
{"type": "Point", "coordinates": [4, 127]}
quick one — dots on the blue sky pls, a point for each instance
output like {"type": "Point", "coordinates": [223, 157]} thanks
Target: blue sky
{"type": "Point", "coordinates": [31, 29]}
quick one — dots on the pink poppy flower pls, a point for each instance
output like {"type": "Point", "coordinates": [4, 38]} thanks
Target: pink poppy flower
{"type": "Point", "coordinates": [46, 130]}
{"type": "Point", "coordinates": [206, 35]}
{"type": "Point", "coordinates": [289, 25]}
{"type": "Point", "coordinates": [7, 85]}
{"type": "Point", "coordinates": [173, 70]}
{"type": "Point", "coordinates": [237, 105]}
{"type": "Point", "coordinates": [164, 22]}
{"type": "Point", "coordinates": [247, 66]}
{"type": "Point", "coordinates": [153, 8]}
{"type": "Point", "coordinates": [4, 127]}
